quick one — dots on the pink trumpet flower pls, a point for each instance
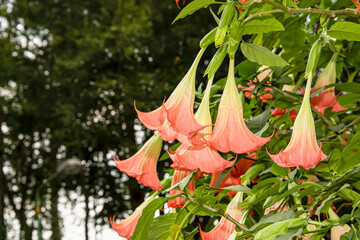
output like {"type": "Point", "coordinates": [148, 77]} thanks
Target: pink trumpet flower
{"type": "Point", "coordinates": [230, 132]}
{"type": "Point", "coordinates": [327, 97]}
{"type": "Point", "coordinates": [203, 157]}
{"type": "Point", "coordinates": [178, 176]}
{"type": "Point", "coordinates": [142, 165]}
{"type": "Point", "coordinates": [126, 227]}
{"type": "Point", "coordinates": [225, 228]}
{"type": "Point", "coordinates": [337, 231]}
{"type": "Point", "coordinates": [303, 150]}
{"type": "Point", "coordinates": [175, 117]}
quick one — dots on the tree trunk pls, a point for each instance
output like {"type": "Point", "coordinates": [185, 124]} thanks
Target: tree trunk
{"type": "Point", "coordinates": [55, 220]}
{"type": "Point", "coordinates": [2, 204]}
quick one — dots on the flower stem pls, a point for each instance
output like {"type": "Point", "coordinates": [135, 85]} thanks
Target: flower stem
{"type": "Point", "coordinates": [184, 221]}
{"type": "Point", "coordinates": [350, 12]}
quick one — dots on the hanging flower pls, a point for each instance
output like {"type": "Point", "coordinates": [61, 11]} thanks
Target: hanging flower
{"type": "Point", "coordinates": [126, 227]}
{"type": "Point", "coordinates": [264, 72]}
{"type": "Point", "coordinates": [233, 177]}
{"type": "Point", "coordinates": [225, 228]}
{"type": "Point", "coordinates": [230, 132]}
{"type": "Point", "coordinates": [279, 112]}
{"type": "Point", "coordinates": [303, 150]}
{"type": "Point", "coordinates": [175, 117]}
{"type": "Point", "coordinates": [178, 176]}
{"type": "Point", "coordinates": [142, 165]}
{"type": "Point", "coordinates": [203, 157]}
{"type": "Point", "coordinates": [327, 97]}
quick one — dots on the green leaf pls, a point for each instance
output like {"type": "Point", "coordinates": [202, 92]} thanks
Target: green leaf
{"type": "Point", "coordinates": [257, 123]}
{"type": "Point", "coordinates": [279, 228]}
{"type": "Point", "coordinates": [348, 100]}
{"type": "Point", "coordinates": [160, 228]}
{"type": "Point", "coordinates": [263, 25]}
{"type": "Point", "coordinates": [279, 171]}
{"type": "Point", "coordinates": [348, 87]}
{"type": "Point", "coordinates": [345, 31]}
{"type": "Point", "coordinates": [147, 217]}
{"type": "Point", "coordinates": [261, 55]}
{"type": "Point", "coordinates": [193, 7]}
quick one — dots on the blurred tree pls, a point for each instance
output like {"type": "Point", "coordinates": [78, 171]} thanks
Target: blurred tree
{"type": "Point", "coordinates": [69, 73]}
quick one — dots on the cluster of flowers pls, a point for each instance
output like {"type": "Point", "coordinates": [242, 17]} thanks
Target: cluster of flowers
{"type": "Point", "coordinates": [201, 142]}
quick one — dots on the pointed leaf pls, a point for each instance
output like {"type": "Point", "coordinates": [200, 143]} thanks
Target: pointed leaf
{"type": "Point", "coordinates": [193, 7]}
{"type": "Point", "coordinates": [261, 55]}
{"type": "Point", "coordinates": [345, 31]}
{"type": "Point", "coordinates": [263, 25]}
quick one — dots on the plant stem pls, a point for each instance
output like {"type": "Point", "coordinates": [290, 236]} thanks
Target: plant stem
{"type": "Point", "coordinates": [226, 216]}
{"type": "Point", "coordinates": [350, 12]}
{"type": "Point", "coordinates": [356, 121]}
{"type": "Point", "coordinates": [184, 221]}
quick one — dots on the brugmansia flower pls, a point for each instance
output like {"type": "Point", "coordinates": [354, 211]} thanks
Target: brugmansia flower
{"type": "Point", "coordinates": [126, 227]}
{"type": "Point", "coordinates": [233, 177]}
{"type": "Point", "coordinates": [203, 157]}
{"type": "Point", "coordinates": [327, 97]}
{"type": "Point", "coordinates": [176, 115]}
{"type": "Point", "coordinates": [178, 176]}
{"type": "Point", "coordinates": [303, 150]}
{"type": "Point", "coordinates": [142, 165]}
{"type": "Point", "coordinates": [225, 228]}
{"type": "Point", "coordinates": [337, 231]}
{"type": "Point", "coordinates": [230, 132]}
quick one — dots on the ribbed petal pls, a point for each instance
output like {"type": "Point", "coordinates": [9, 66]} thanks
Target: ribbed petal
{"type": "Point", "coordinates": [175, 118]}
{"type": "Point", "coordinates": [180, 105]}
{"type": "Point", "coordinates": [200, 157]}
{"type": "Point", "coordinates": [303, 150]}
{"type": "Point", "coordinates": [142, 165]}
{"type": "Point", "coordinates": [326, 98]}
{"type": "Point", "coordinates": [230, 132]}
{"type": "Point", "coordinates": [225, 228]}
{"type": "Point", "coordinates": [178, 176]}
{"type": "Point", "coordinates": [126, 227]}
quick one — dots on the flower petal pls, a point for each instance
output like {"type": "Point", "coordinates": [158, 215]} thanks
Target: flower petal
{"type": "Point", "coordinates": [142, 165]}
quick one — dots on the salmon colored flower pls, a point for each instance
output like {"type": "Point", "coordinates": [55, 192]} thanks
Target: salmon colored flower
{"type": "Point", "coordinates": [142, 165]}
{"type": "Point", "coordinates": [178, 176]}
{"type": "Point", "coordinates": [233, 177]}
{"type": "Point", "coordinates": [279, 112]}
{"type": "Point", "coordinates": [264, 72]}
{"type": "Point", "coordinates": [225, 228]}
{"type": "Point", "coordinates": [175, 117]}
{"type": "Point", "coordinates": [303, 150]}
{"type": "Point", "coordinates": [230, 132]}
{"type": "Point", "coordinates": [327, 97]}
{"type": "Point", "coordinates": [337, 231]}
{"type": "Point", "coordinates": [203, 157]}
{"type": "Point", "coordinates": [126, 227]}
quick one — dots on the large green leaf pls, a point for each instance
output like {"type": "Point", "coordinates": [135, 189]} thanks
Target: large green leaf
{"type": "Point", "coordinates": [160, 228]}
{"type": "Point", "coordinates": [280, 228]}
{"type": "Point", "coordinates": [345, 31]}
{"type": "Point", "coordinates": [193, 7]}
{"type": "Point", "coordinates": [261, 55]}
{"type": "Point", "coordinates": [147, 217]}
{"type": "Point", "coordinates": [263, 25]}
